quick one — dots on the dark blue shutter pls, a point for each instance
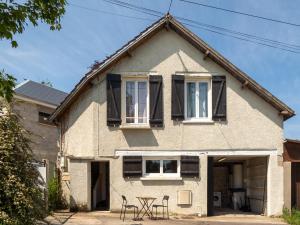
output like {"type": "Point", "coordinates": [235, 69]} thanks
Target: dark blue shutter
{"type": "Point", "coordinates": [113, 94]}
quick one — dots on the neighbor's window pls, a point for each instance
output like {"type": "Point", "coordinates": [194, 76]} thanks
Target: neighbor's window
{"type": "Point", "coordinates": [136, 101]}
{"type": "Point", "coordinates": [161, 166]}
{"type": "Point", "coordinates": [44, 118]}
{"type": "Point", "coordinates": [197, 96]}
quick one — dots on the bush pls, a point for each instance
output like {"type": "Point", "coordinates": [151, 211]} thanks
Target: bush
{"type": "Point", "coordinates": [55, 199]}
{"type": "Point", "coordinates": [291, 217]}
{"type": "Point", "coordinates": [21, 195]}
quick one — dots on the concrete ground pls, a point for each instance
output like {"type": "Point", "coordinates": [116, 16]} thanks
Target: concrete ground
{"type": "Point", "coordinates": [105, 218]}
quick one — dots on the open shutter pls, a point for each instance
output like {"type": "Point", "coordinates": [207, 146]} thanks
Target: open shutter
{"type": "Point", "coordinates": [156, 101]}
{"type": "Point", "coordinates": [219, 98]}
{"type": "Point", "coordinates": [189, 166]}
{"type": "Point", "coordinates": [177, 97]}
{"type": "Point", "coordinates": [113, 92]}
{"type": "Point", "coordinates": [132, 166]}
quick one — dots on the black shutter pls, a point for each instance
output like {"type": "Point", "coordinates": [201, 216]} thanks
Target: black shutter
{"type": "Point", "coordinates": [156, 101]}
{"type": "Point", "coordinates": [189, 166]}
{"type": "Point", "coordinates": [132, 166]}
{"type": "Point", "coordinates": [219, 98]}
{"type": "Point", "coordinates": [113, 93]}
{"type": "Point", "coordinates": [177, 97]}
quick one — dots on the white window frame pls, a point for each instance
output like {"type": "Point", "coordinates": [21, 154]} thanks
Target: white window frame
{"type": "Point", "coordinates": [209, 100]}
{"type": "Point", "coordinates": [161, 174]}
{"type": "Point", "coordinates": [135, 80]}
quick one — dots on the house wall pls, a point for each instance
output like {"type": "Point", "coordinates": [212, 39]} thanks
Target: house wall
{"type": "Point", "coordinates": [44, 137]}
{"type": "Point", "coordinates": [251, 122]}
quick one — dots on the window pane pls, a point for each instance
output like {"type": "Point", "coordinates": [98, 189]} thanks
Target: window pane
{"type": "Point", "coordinates": [203, 89]}
{"type": "Point", "coordinates": [191, 91]}
{"type": "Point", "coordinates": [170, 166]}
{"type": "Point", "coordinates": [142, 102]}
{"type": "Point", "coordinates": [130, 102]}
{"type": "Point", "coordinates": [152, 166]}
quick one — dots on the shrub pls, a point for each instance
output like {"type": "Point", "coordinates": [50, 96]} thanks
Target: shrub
{"type": "Point", "coordinates": [55, 199]}
{"type": "Point", "coordinates": [291, 217]}
{"type": "Point", "coordinates": [21, 195]}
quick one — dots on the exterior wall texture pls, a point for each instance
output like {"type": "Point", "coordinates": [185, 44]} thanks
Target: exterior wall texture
{"type": "Point", "coordinates": [252, 124]}
{"type": "Point", "coordinates": [44, 137]}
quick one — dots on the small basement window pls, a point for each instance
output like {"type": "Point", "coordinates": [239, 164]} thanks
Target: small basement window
{"type": "Point", "coordinates": [161, 167]}
{"type": "Point", "coordinates": [44, 118]}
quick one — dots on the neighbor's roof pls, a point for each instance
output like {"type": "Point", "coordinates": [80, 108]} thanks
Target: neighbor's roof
{"type": "Point", "coordinates": [40, 92]}
{"type": "Point", "coordinates": [170, 22]}
{"type": "Point", "coordinates": [291, 150]}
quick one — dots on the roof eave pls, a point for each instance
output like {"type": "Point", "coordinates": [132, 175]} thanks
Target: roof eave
{"type": "Point", "coordinates": [200, 44]}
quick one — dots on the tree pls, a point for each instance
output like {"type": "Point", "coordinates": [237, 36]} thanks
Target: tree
{"type": "Point", "coordinates": [21, 195]}
{"type": "Point", "coordinates": [15, 16]}
{"type": "Point", "coordinates": [7, 83]}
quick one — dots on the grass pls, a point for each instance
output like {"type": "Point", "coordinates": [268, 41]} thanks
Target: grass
{"type": "Point", "coordinates": [291, 216]}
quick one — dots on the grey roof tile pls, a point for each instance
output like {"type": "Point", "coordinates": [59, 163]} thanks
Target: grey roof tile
{"type": "Point", "coordinates": [40, 92]}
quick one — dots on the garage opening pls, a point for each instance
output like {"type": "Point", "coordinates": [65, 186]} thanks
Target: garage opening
{"type": "Point", "coordinates": [239, 185]}
{"type": "Point", "coordinates": [100, 185]}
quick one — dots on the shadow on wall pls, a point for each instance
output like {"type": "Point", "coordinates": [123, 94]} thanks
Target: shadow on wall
{"type": "Point", "coordinates": [144, 138]}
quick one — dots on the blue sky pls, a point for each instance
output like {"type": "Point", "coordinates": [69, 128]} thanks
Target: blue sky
{"type": "Point", "coordinates": [64, 56]}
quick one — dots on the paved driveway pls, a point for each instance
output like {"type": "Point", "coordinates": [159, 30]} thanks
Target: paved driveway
{"type": "Point", "coordinates": [97, 218]}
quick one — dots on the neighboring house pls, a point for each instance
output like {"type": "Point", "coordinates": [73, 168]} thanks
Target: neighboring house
{"type": "Point", "coordinates": [291, 157]}
{"type": "Point", "coordinates": [34, 103]}
{"type": "Point", "coordinates": [168, 115]}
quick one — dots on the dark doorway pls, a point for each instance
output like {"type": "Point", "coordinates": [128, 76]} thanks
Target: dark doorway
{"type": "Point", "coordinates": [210, 186]}
{"type": "Point", "coordinates": [100, 185]}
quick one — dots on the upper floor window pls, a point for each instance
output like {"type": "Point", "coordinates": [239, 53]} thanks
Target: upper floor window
{"type": "Point", "coordinates": [198, 99]}
{"type": "Point", "coordinates": [44, 118]}
{"type": "Point", "coordinates": [136, 101]}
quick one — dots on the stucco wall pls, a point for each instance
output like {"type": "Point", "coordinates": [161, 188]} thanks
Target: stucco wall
{"type": "Point", "coordinates": [44, 137]}
{"type": "Point", "coordinates": [251, 122]}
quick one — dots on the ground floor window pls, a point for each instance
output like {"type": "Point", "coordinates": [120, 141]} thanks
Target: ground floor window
{"type": "Point", "coordinates": [157, 166]}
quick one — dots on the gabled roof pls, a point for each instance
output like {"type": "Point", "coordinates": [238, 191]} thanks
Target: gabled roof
{"type": "Point", "coordinates": [169, 22]}
{"type": "Point", "coordinates": [40, 92]}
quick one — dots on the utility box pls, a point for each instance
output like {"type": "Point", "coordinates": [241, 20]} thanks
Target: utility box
{"type": "Point", "coordinates": [184, 197]}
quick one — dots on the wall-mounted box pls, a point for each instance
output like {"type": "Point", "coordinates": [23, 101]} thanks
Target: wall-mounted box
{"type": "Point", "coordinates": [184, 197]}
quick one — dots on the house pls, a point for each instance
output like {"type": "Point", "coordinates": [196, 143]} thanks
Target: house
{"type": "Point", "coordinates": [291, 158]}
{"type": "Point", "coordinates": [168, 115]}
{"type": "Point", "coordinates": [34, 103]}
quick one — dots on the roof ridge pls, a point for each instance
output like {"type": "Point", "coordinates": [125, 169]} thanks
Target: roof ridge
{"type": "Point", "coordinates": [168, 21]}
{"type": "Point", "coordinates": [21, 84]}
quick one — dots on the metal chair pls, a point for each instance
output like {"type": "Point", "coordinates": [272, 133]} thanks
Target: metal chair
{"type": "Point", "coordinates": [126, 206]}
{"type": "Point", "coordinates": [165, 204]}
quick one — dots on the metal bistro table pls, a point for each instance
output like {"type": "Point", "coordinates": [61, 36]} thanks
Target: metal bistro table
{"type": "Point", "coordinates": [146, 203]}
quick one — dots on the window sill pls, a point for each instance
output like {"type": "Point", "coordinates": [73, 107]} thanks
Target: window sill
{"type": "Point", "coordinates": [135, 126]}
{"type": "Point", "coordinates": [161, 178]}
{"type": "Point", "coordinates": [198, 122]}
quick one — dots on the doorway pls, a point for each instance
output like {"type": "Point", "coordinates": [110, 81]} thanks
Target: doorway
{"type": "Point", "coordinates": [100, 185]}
{"type": "Point", "coordinates": [237, 185]}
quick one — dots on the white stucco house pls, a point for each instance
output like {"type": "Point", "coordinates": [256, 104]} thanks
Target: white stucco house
{"type": "Point", "coordinates": [168, 115]}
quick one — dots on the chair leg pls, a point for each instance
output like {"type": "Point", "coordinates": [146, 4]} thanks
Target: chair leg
{"type": "Point", "coordinates": [163, 212]}
{"type": "Point", "coordinates": [168, 212]}
{"type": "Point", "coordinates": [121, 212]}
{"type": "Point", "coordinates": [156, 214]}
{"type": "Point", "coordinates": [124, 214]}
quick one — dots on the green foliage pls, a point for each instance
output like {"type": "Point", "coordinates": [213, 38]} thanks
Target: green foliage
{"type": "Point", "coordinates": [55, 199]}
{"type": "Point", "coordinates": [21, 195]}
{"type": "Point", "coordinates": [7, 84]}
{"type": "Point", "coordinates": [291, 217]}
{"type": "Point", "coordinates": [14, 16]}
